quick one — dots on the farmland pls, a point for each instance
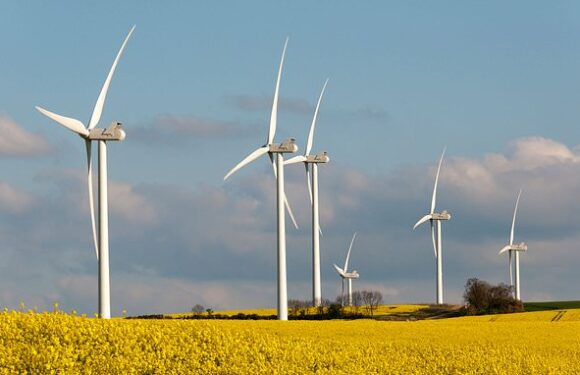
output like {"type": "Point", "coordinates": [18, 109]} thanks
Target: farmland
{"type": "Point", "coordinates": [537, 342]}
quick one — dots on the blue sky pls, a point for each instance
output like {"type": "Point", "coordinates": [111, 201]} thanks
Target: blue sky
{"type": "Point", "coordinates": [496, 83]}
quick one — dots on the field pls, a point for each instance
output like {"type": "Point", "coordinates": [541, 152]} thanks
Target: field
{"type": "Point", "coordinates": [552, 305]}
{"type": "Point", "coordinates": [537, 342]}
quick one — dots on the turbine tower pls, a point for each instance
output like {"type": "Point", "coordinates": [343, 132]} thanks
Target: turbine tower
{"type": "Point", "coordinates": [435, 218]}
{"type": "Point", "coordinates": [345, 275]}
{"type": "Point", "coordinates": [312, 180]}
{"type": "Point", "coordinates": [515, 249]}
{"type": "Point", "coordinates": [91, 133]}
{"type": "Point", "coordinates": [275, 152]}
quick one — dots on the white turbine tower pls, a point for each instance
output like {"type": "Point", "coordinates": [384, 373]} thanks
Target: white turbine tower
{"type": "Point", "coordinates": [515, 249]}
{"type": "Point", "coordinates": [435, 218]}
{"type": "Point", "coordinates": [345, 275]}
{"type": "Point", "coordinates": [91, 133]}
{"type": "Point", "coordinates": [275, 152]}
{"type": "Point", "coordinates": [312, 181]}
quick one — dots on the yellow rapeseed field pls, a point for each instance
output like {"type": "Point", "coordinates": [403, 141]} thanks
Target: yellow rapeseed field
{"type": "Point", "coordinates": [532, 343]}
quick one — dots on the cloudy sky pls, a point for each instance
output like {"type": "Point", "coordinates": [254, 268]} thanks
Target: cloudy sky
{"type": "Point", "coordinates": [497, 83]}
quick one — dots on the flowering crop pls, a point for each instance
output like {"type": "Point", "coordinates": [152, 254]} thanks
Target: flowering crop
{"type": "Point", "coordinates": [59, 343]}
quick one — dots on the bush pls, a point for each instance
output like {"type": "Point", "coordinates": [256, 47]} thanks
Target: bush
{"type": "Point", "coordinates": [483, 298]}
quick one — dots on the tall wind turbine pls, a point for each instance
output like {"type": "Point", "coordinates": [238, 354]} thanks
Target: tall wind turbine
{"type": "Point", "coordinates": [275, 152]}
{"type": "Point", "coordinates": [345, 275]}
{"type": "Point", "coordinates": [91, 133]}
{"type": "Point", "coordinates": [516, 249]}
{"type": "Point", "coordinates": [435, 218]}
{"type": "Point", "coordinates": [312, 180]}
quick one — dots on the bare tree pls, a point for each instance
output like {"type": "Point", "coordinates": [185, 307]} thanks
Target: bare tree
{"type": "Point", "coordinates": [356, 301]}
{"type": "Point", "coordinates": [371, 299]}
{"type": "Point", "coordinates": [197, 309]}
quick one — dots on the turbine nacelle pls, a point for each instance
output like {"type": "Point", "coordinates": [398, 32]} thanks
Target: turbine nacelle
{"type": "Point", "coordinates": [351, 275]}
{"type": "Point", "coordinates": [521, 247]}
{"type": "Point", "coordinates": [113, 132]}
{"type": "Point", "coordinates": [287, 146]}
{"type": "Point", "coordinates": [443, 215]}
{"type": "Point", "coordinates": [321, 157]}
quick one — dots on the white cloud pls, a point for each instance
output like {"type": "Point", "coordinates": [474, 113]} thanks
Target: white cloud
{"type": "Point", "coordinates": [17, 141]}
{"type": "Point", "coordinates": [129, 204]}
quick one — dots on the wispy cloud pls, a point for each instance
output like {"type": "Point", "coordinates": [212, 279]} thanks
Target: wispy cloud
{"type": "Point", "coordinates": [303, 107]}
{"type": "Point", "coordinates": [17, 141]}
{"type": "Point", "coordinates": [177, 129]}
{"type": "Point", "coordinates": [14, 201]}
{"type": "Point", "coordinates": [264, 103]}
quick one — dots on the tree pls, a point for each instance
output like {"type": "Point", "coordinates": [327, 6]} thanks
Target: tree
{"type": "Point", "coordinates": [197, 309]}
{"type": "Point", "coordinates": [483, 298]}
{"type": "Point", "coordinates": [476, 296]}
{"type": "Point", "coordinates": [371, 300]}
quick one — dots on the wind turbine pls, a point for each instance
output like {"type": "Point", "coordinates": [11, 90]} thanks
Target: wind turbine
{"type": "Point", "coordinates": [436, 218]}
{"type": "Point", "coordinates": [313, 160]}
{"type": "Point", "coordinates": [516, 249]}
{"type": "Point", "coordinates": [91, 133]}
{"type": "Point", "coordinates": [344, 274]}
{"type": "Point", "coordinates": [275, 152]}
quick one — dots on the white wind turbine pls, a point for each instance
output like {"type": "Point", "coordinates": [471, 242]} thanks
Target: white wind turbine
{"type": "Point", "coordinates": [308, 159]}
{"type": "Point", "coordinates": [91, 133]}
{"type": "Point", "coordinates": [344, 274]}
{"type": "Point", "coordinates": [436, 218]}
{"type": "Point", "coordinates": [275, 152]}
{"type": "Point", "coordinates": [516, 249]}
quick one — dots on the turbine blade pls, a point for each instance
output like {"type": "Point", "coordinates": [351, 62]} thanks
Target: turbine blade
{"type": "Point", "coordinates": [422, 220]}
{"type": "Point", "coordinates": [348, 254]}
{"type": "Point", "coordinates": [274, 114]}
{"type": "Point", "coordinates": [433, 239]}
{"type": "Point", "coordinates": [295, 159]}
{"type": "Point", "coordinates": [434, 198]}
{"type": "Point", "coordinates": [69, 123]}
{"type": "Point", "coordinates": [504, 249]}
{"type": "Point", "coordinates": [290, 211]}
{"type": "Point", "coordinates": [339, 270]}
{"type": "Point", "coordinates": [309, 183]}
{"type": "Point", "coordinates": [247, 160]}
{"type": "Point", "coordinates": [91, 199]}
{"type": "Point", "coordinates": [514, 219]}
{"type": "Point", "coordinates": [511, 270]}
{"type": "Point", "coordinates": [98, 110]}
{"type": "Point", "coordinates": [311, 133]}
{"type": "Point", "coordinates": [286, 204]}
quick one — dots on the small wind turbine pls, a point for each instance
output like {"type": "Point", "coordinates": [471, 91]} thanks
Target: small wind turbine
{"type": "Point", "coordinates": [275, 151]}
{"type": "Point", "coordinates": [344, 274]}
{"type": "Point", "coordinates": [435, 217]}
{"type": "Point", "coordinates": [90, 133]}
{"type": "Point", "coordinates": [516, 249]}
{"type": "Point", "coordinates": [308, 159]}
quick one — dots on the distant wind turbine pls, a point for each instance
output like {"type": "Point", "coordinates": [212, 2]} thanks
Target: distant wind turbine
{"type": "Point", "coordinates": [91, 133]}
{"type": "Point", "coordinates": [516, 249]}
{"type": "Point", "coordinates": [275, 152]}
{"type": "Point", "coordinates": [313, 160]}
{"type": "Point", "coordinates": [345, 275]}
{"type": "Point", "coordinates": [436, 218]}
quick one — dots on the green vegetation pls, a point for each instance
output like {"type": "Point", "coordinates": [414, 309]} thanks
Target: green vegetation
{"type": "Point", "coordinates": [551, 305]}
